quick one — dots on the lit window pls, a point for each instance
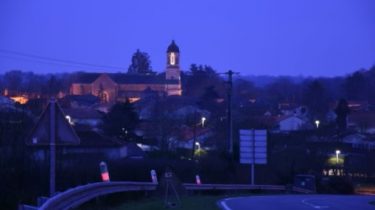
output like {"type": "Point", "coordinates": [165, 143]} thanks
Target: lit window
{"type": "Point", "coordinates": [172, 59]}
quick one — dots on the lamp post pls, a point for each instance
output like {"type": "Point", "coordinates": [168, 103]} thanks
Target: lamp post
{"type": "Point", "coordinates": [195, 143]}
{"type": "Point", "coordinates": [203, 119]}
{"type": "Point", "coordinates": [67, 117]}
{"type": "Point", "coordinates": [317, 122]}
{"type": "Point", "coordinates": [198, 145]}
{"type": "Point", "coordinates": [337, 156]}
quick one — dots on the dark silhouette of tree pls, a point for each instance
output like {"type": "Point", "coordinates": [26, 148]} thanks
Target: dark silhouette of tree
{"type": "Point", "coordinates": [315, 97]}
{"type": "Point", "coordinates": [209, 98]}
{"type": "Point", "coordinates": [13, 80]}
{"type": "Point", "coordinates": [342, 111]}
{"type": "Point", "coordinates": [282, 90]}
{"type": "Point", "coordinates": [201, 77]}
{"type": "Point", "coordinates": [121, 121]}
{"type": "Point", "coordinates": [355, 86]}
{"type": "Point", "coordinates": [140, 64]}
{"type": "Point", "coordinates": [163, 124]}
{"type": "Point", "coordinates": [15, 164]}
{"type": "Point", "coordinates": [53, 86]}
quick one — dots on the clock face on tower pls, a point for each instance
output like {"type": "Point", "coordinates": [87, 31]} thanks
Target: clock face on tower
{"type": "Point", "coordinates": [172, 59]}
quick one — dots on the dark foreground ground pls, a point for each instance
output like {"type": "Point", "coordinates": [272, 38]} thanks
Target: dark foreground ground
{"type": "Point", "coordinates": [299, 202]}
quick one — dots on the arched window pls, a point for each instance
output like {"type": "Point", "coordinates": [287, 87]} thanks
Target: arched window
{"type": "Point", "coordinates": [172, 59]}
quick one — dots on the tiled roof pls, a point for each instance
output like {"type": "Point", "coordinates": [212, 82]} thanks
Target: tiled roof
{"type": "Point", "coordinates": [122, 78]}
{"type": "Point", "coordinates": [94, 139]}
{"type": "Point", "coordinates": [140, 79]}
{"type": "Point", "coordinates": [173, 47]}
{"type": "Point", "coordinates": [83, 113]}
{"type": "Point", "coordinates": [188, 133]}
{"type": "Point", "coordinates": [87, 78]}
{"type": "Point", "coordinates": [83, 99]}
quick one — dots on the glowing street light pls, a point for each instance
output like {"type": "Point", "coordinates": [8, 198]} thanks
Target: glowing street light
{"type": "Point", "coordinates": [317, 122]}
{"type": "Point", "coordinates": [203, 119]}
{"type": "Point", "coordinates": [70, 121]}
{"type": "Point", "coordinates": [337, 156]}
{"type": "Point", "coordinates": [198, 145]}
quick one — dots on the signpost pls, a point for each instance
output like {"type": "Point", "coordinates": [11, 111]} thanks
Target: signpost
{"type": "Point", "coordinates": [253, 149]}
{"type": "Point", "coordinates": [52, 129]}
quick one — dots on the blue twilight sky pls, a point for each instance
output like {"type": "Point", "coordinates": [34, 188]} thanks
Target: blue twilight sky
{"type": "Point", "coordinates": [259, 37]}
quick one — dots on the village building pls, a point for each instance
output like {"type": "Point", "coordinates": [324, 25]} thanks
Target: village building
{"type": "Point", "coordinates": [113, 87]}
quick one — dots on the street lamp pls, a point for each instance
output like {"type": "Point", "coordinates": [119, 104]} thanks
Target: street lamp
{"type": "Point", "coordinates": [198, 145]}
{"type": "Point", "coordinates": [317, 122]}
{"type": "Point", "coordinates": [70, 121]}
{"type": "Point", "coordinates": [337, 156]}
{"type": "Point", "coordinates": [203, 119]}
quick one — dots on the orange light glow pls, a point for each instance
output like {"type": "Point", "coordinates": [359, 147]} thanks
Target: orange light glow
{"type": "Point", "coordinates": [20, 99]}
{"type": "Point", "coordinates": [132, 100]}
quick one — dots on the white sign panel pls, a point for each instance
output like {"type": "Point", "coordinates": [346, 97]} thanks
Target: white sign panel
{"type": "Point", "coordinates": [253, 146]}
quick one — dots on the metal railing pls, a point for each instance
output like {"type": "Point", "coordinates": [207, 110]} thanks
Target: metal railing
{"type": "Point", "coordinates": [79, 195]}
{"type": "Point", "coordinates": [232, 187]}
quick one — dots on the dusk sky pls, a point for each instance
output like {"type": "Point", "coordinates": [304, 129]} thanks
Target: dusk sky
{"type": "Point", "coordinates": [268, 37]}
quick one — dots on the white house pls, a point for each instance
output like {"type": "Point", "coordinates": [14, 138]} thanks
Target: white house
{"type": "Point", "coordinates": [290, 123]}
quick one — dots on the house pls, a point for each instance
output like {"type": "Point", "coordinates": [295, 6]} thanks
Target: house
{"type": "Point", "coordinates": [292, 109]}
{"type": "Point", "coordinates": [363, 121]}
{"type": "Point", "coordinates": [290, 123]}
{"type": "Point", "coordinates": [187, 135]}
{"type": "Point", "coordinates": [111, 88]}
{"type": "Point", "coordinates": [359, 141]}
{"type": "Point", "coordinates": [358, 105]}
{"type": "Point", "coordinates": [80, 101]}
{"type": "Point", "coordinates": [94, 144]}
{"type": "Point", "coordinates": [83, 116]}
{"type": "Point", "coordinates": [5, 102]}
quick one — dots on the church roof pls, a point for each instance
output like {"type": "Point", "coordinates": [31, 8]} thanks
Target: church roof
{"type": "Point", "coordinates": [137, 79]}
{"type": "Point", "coordinates": [121, 78]}
{"type": "Point", "coordinates": [87, 78]}
{"type": "Point", "coordinates": [173, 47]}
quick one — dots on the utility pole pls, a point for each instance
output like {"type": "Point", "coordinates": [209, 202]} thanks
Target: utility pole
{"type": "Point", "coordinates": [195, 134]}
{"type": "Point", "coordinates": [229, 112]}
{"type": "Point", "coordinates": [52, 136]}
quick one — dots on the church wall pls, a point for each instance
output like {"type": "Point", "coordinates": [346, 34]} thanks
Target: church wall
{"type": "Point", "coordinates": [80, 89]}
{"type": "Point", "coordinates": [174, 89]}
{"type": "Point", "coordinates": [107, 86]}
{"type": "Point", "coordinates": [142, 87]}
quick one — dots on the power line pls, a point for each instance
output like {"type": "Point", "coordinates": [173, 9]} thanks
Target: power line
{"type": "Point", "coordinates": [58, 60]}
{"type": "Point", "coordinates": [38, 61]}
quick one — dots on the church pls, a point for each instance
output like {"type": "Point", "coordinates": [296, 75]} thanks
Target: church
{"type": "Point", "coordinates": [113, 87]}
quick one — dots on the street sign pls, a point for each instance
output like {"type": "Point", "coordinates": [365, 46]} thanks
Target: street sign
{"type": "Point", "coordinates": [253, 148]}
{"type": "Point", "coordinates": [64, 133]}
{"type": "Point", "coordinates": [53, 129]}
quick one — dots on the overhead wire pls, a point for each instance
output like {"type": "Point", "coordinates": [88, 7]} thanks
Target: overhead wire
{"type": "Point", "coordinates": [66, 62]}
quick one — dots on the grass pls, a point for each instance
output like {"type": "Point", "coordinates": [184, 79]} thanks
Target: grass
{"type": "Point", "coordinates": [204, 202]}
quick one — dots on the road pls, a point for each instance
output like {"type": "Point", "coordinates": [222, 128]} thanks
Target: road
{"type": "Point", "coordinates": [299, 202]}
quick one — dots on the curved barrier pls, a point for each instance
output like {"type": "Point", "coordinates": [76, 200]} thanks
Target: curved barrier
{"type": "Point", "coordinates": [232, 187]}
{"type": "Point", "coordinates": [78, 195]}
{"type": "Point", "coordinates": [365, 190]}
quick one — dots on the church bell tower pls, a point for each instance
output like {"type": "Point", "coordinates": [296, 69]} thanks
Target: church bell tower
{"type": "Point", "coordinates": [172, 73]}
